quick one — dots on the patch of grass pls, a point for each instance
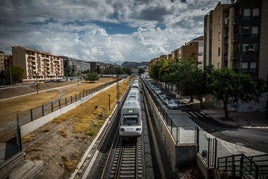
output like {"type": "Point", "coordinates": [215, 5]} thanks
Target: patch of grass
{"type": "Point", "coordinates": [70, 165]}
{"type": "Point", "coordinates": [35, 157]}
{"type": "Point", "coordinates": [60, 119]}
{"type": "Point", "coordinates": [37, 149]}
{"type": "Point", "coordinates": [63, 133]}
{"type": "Point", "coordinates": [27, 138]}
{"type": "Point", "coordinates": [46, 128]}
{"type": "Point", "coordinates": [71, 161]}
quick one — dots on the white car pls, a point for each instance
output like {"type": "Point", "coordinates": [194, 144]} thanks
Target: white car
{"type": "Point", "coordinates": [166, 100]}
{"type": "Point", "coordinates": [172, 104]}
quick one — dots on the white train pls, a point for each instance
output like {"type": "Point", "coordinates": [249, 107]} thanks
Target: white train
{"type": "Point", "coordinates": [130, 117]}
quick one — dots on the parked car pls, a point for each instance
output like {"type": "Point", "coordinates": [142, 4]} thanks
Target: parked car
{"type": "Point", "coordinates": [166, 100]}
{"type": "Point", "coordinates": [172, 104]}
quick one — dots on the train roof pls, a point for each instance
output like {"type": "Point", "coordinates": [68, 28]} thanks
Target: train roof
{"type": "Point", "coordinates": [131, 104]}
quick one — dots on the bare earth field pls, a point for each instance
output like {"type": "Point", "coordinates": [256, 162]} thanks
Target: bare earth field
{"type": "Point", "coordinates": [10, 104]}
{"type": "Point", "coordinates": [62, 142]}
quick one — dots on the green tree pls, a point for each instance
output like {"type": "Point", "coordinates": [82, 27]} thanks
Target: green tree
{"type": "Point", "coordinates": [91, 77]}
{"type": "Point", "coordinates": [16, 74]}
{"type": "Point", "coordinates": [200, 86]}
{"type": "Point", "coordinates": [69, 71]}
{"type": "Point", "coordinates": [155, 70]}
{"type": "Point", "coordinates": [127, 70]}
{"type": "Point", "coordinates": [184, 79]}
{"type": "Point", "coordinates": [226, 84]}
{"type": "Point", "coordinates": [141, 71]}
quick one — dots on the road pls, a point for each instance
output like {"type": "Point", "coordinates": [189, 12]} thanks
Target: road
{"type": "Point", "coordinates": [254, 138]}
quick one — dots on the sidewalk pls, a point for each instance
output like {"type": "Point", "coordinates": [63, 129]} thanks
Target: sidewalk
{"type": "Point", "coordinates": [238, 119]}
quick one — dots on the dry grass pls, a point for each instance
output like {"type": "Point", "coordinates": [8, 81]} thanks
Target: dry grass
{"type": "Point", "coordinates": [24, 103]}
{"type": "Point", "coordinates": [63, 133]}
{"type": "Point", "coordinates": [27, 138]}
{"type": "Point", "coordinates": [71, 161]}
{"type": "Point", "coordinates": [78, 126]}
{"type": "Point", "coordinates": [37, 149]}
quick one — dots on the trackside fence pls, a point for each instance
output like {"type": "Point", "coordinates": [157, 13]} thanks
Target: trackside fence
{"type": "Point", "coordinates": [40, 111]}
{"type": "Point", "coordinates": [180, 134]}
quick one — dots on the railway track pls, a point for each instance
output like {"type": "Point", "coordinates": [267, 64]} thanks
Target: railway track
{"type": "Point", "coordinates": [127, 162]}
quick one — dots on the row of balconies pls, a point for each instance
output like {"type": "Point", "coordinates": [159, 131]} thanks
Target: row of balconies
{"type": "Point", "coordinates": [240, 38]}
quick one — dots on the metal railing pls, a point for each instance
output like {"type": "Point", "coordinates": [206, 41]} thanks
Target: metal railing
{"type": "Point", "coordinates": [178, 132]}
{"type": "Point", "coordinates": [40, 111]}
{"type": "Point", "coordinates": [244, 167]}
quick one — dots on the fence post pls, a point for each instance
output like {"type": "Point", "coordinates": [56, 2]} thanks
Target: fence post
{"type": "Point", "coordinates": [233, 167]}
{"type": "Point", "coordinates": [197, 138]}
{"type": "Point", "coordinates": [66, 102]}
{"type": "Point", "coordinates": [177, 137]}
{"type": "Point", "coordinates": [257, 171]}
{"type": "Point", "coordinates": [19, 133]}
{"type": "Point", "coordinates": [31, 114]}
{"type": "Point", "coordinates": [208, 158]}
{"type": "Point", "coordinates": [59, 104]}
{"type": "Point", "coordinates": [52, 107]}
{"type": "Point", "coordinates": [241, 165]}
{"type": "Point", "coordinates": [215, 156]}
{"type": "Point", "coordinates": [43, 111]}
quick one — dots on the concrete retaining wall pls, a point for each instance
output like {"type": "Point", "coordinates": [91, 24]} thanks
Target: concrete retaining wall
{"type": "Point", "coordinates": [178, 155]}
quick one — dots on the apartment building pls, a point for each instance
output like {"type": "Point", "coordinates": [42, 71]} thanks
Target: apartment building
{"type": "Point", "coordinates": [235, 36]}
{"type": "Point", "coordinates": [2, 61]}
{"type": "Point", "coordinates": [192, 49]}
{"type": "Point", "coordinates": [37, 65]}
{"type": "Point", "coordinates": [78, 65]}
{"type": "Point", "coordinates": [5, 61]}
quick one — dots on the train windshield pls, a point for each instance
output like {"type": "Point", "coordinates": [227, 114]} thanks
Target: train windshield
{"type": "Point", "coordinates": [130, 120]}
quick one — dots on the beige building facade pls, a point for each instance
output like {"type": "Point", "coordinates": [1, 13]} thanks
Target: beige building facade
{"type": "Point", "coordinates": [235, 36]}
{"type": "Point", "coordinates": [37, 65]}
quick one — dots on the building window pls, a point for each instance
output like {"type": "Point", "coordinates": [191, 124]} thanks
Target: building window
{"type": "Point", "coordinates": [219, 51]}
{"type": "Point", "coordinates": [254, 47]}
{"type": "Point", "coordinates": [245, 47]}
{"type": "Point", "coordinates": [244, 66]}
{"type": "Point", "coordinates": [219, 20]}
{"type": "Point", "coordinates": [255, 30]}
{"type": "Point", "coordinates": [219, 36]}
{"type": "Point", "coordinates": [246, 12]}
{"type": "Point", "coordinates": [245, 30]}
{"type": "Point", "coordinates": [255, 12]}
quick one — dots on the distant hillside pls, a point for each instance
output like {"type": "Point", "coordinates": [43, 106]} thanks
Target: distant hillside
{"type": "Point", "coordinates": [134, 65]}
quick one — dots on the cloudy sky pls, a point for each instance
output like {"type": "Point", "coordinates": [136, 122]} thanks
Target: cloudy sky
{"type": "Point", "coordinates": [111, 31]}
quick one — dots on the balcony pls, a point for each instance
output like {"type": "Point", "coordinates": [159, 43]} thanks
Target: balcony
{"type": "Point", "coordinates": [226, 39]}
{"type": "Point", "coordinates": [235, 55]}
{"type": "Point", "coordinates": [236, 38]}
{"type": "Point", "coordinates": [237, 20]}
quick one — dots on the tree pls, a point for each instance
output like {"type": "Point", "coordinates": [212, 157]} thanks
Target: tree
{"type": "Point", "coordinates": [200, 85]}
{"type": "Point", "coordinates": [184, 79]}
{"type": "Point", "coordinates": [127, 70]}
{"type": "Point", "coordinates": [226, 84]}
{"type": "Point", "coordinates": [91, 77]}
{"type": "Point", "coordinates": [69, 71]}
{"type": "Point", "coordinates": [15, 72]}
{"type": "Point", "coordinates": [141, 71]}
{"type": "Point", "coordinates": [155, 69]}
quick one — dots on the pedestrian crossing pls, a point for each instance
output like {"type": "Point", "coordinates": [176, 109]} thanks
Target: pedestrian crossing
{"type": "Point", "coordinates": [254, 123]}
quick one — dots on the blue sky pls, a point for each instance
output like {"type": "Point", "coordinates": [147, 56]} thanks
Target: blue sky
{"type": "Point", "coordinates": [112, 31]}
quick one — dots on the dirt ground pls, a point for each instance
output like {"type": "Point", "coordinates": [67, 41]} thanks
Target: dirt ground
{"type": "Point", "coordinates": [11, 104]}
{"type": "Point", "coordinates": [62, 142]}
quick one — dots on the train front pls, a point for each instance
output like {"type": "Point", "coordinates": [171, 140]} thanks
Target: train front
{"type": "Point", "coordinates": [130, 120]}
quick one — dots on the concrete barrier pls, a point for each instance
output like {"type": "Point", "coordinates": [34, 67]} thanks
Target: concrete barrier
{"type": "Point", "coordinates": [33, 125]}
{"type": "Point", "coordinates": [178, 155]}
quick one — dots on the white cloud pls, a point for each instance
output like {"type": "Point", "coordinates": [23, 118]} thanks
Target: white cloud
{"type": "Point", "coordinates": [67, 27]}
